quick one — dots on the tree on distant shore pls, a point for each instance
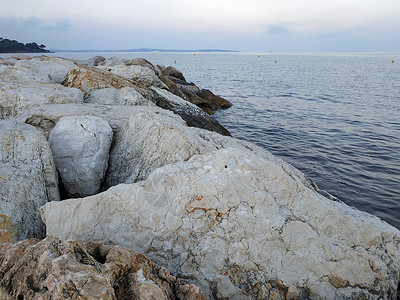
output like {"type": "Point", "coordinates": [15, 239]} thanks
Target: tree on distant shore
{"type": "Point", "coordinates": [12, 46]}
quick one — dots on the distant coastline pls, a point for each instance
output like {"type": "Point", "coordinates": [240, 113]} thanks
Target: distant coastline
{"type": "Point", "coordinates": [12, 46]}
{"type": "Point", "coordinates": [145, 50]}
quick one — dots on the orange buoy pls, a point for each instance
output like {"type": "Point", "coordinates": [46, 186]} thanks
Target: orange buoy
{"type": "Point", "coordinates": [276, 61]}
{"type": "Point", "coordinates": [175, 61]}
{"type": "Point", "coordinates": [393, 61]}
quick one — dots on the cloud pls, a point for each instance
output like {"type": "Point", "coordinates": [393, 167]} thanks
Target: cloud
{"type": "Point", "coordinates": [13, 24]}
{"type": "Point", "coordinates": [60, 25]}
{"type": "Point", "coordinates": [277, 29]}
{"type": "Point", "coordinates": [19, 23]}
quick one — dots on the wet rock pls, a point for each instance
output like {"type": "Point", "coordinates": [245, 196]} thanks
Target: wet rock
{"type": "Point", "coordinates": [54, 269]}
{"type": "Point", "coordinates": [213, 101]}
{"type": "Point", "coordinates": [172, 86]}
{"type": "Point", "coordinates": [28, 180]}
{"type": "Point", "coordinates": [171, 71]}
{"type": "Point", "coordinates": [199, 119]}
{"type": "Point", "coordinates": [80, 147]}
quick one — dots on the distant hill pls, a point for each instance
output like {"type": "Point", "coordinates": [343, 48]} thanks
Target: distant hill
{"type": "Point", "coordinates": [11, 46]}
{"type": "Point", "coordinates": [146, 50]}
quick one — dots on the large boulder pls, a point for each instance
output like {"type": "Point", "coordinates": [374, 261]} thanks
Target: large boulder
{"type": "Point", "coordinates": [142, 75]}
{"type": "Point", "coordinates": [177, 84]}
{"type": "Point", "coordinates": [16, 97]}
{"type": "Point", "coordinates": [42, 69]}
{"type": "Point", "coordinates": [140, 62]}
{"type": "Point", "coordinates": [192, 114]}
{"type": "Point", "coordinates": [239, 222]}
{"type": "Point", "coordinates": [54, 269]}
{"type": "Point", "coordinates": [90, 78]}
{"type": "Point", "coordinates": [45, 117]}
{"type": "Point", "coordinates": [149, 140]}
{"type": "Point", "coordinates": [80, 146]}
{"type": "Point", "coordinates": [28, 180]}
{"type": "Point", "coordinates": [111, 96]}
{"type": "Point", "coordinates": [172, 72]}
{"type": "Point", "coordinates": [91, 62]}
{"type": "Point", "coordinates": [213, 101]}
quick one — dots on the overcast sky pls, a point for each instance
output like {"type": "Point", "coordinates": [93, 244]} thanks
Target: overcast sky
{"type": "Point", "coordinates": [245, 25]}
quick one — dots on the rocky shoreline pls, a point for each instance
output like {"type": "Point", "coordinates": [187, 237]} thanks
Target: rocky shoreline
{"type": "Point", "coordinates": [113, 162]}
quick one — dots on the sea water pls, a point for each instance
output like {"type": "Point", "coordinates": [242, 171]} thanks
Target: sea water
{"type": "Point", "coordinates": [336, 117]}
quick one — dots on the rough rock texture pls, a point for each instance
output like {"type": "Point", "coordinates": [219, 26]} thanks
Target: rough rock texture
{"type": "Point", "coordinates": [113, 61]}
{"type": "Point", "coordinates": [112, 96]}
{"type": "Point", "coordinates": [80, 147]}
{"type": "Point", "coordinates": [45, 117]}
{"type": "Point", "coordinates": [171, 71]}
{"type": "Point", "coordinates": [140, 62]}
{"type": "Point", "coordinates": [238, 222]}
{"type": "Point", "coordinates": [177, 84]}
{"type": "Point", "coordinates": [28, 180]}
{"type": "Point", "coordinates": [192, 114]}
{"type": "Point", "coordinates": [143, 75]}
{"type": "Point", "coordinates": [213, 101]}
{"type": "Point", "coordinates": [16, 97]}
{"type": "Point", "coordinates": [54, 269]}
{"type": "Point", "coordinates": [133, 156]}
{"type": "Point", "coordinates": [91, 62]}
{"type": "Point", "coordinates": [198, 118]}
{"type": "Point", "coordinates": [90, 78]}
{"type": "Point", "coordinates": [42, 69]}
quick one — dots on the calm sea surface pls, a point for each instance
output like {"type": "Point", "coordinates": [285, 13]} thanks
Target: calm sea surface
{"type": "Point", "coordinates": [335, 117]}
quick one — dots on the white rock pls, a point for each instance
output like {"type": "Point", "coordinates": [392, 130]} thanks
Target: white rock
{"type": "Point", "coordinates": [43, 69]}
{"type": "Point", "coordinates": [46, 116]}
{"type": "Point", "coordinates": [113, 61]}
{"type": "Point", "coordinates": [80, 146]}
{"type": "Point", "coordinates": [16, 97]}
{"type": "Point", "coordinates": [142, 75]}
{"type": "Point", "coordinates": [238, 221]}
{"type": "Point", "coordinates": [28, 180]}
{"type": "Point", "coordinates": [113, 96]}
{"type": "Point", "coordinates": [148, 141]}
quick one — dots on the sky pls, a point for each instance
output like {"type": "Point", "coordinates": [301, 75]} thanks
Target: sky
{"type": "Point", "coordinates": [243, 25]}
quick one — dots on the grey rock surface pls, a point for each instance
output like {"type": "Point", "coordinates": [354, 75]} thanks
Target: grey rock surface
{"type": "Point", "coordinates": [80, 147]}
{"type": "Point", "coordinates": [41, 69]}
{"type": "Point", "coordinates": [112, 96]}
{"type": "Point", "coordinates": [45, 117]}
{"type": "Point", "coordinates": [16, 97]}
{"type": "Point", "coordinates": [142, 75]}
{"type": "Point", "coordinates": [28, 180]}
